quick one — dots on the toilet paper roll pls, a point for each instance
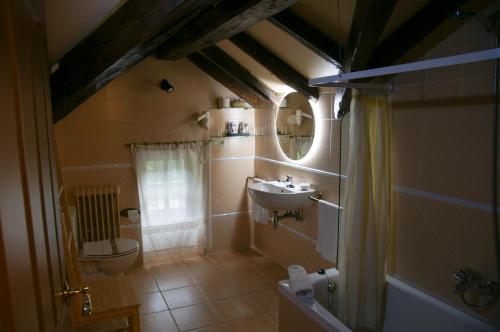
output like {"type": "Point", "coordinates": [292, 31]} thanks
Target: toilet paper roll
{"type": "Point", "coordinates": [133, 215]}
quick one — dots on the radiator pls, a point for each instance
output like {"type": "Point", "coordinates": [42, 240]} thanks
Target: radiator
{"type": "Point", "coordinates": [97, 213]}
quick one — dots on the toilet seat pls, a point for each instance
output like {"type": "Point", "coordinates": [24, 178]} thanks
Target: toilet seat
{"type": "Point", "coordinates": [104, 249]}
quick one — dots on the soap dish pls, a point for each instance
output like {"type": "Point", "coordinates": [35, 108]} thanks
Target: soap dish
{"type": "Point", "coordinates": [304, 186]}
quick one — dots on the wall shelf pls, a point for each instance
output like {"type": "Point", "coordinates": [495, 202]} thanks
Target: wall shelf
{"type": "Point", "coordinates": [231, 109]}
{"type": "Point", "coordinates": [234, 136]}
{"type": "Point", "coordinates": [221, 139]}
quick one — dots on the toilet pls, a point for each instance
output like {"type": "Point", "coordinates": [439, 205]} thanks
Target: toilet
{"type": "Point", "coordinates": [111, 257]}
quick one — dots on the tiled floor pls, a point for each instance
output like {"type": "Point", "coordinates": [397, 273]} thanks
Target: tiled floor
{"type": "Point", "coordinates": [233, 291]}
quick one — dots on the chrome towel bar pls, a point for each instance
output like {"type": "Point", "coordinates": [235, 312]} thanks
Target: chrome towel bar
{"type": "Point", "coordinates": [316, 198]}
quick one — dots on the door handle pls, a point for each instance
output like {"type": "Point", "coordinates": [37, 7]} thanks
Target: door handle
{"type": "Point", "coordinates": [69, 291]}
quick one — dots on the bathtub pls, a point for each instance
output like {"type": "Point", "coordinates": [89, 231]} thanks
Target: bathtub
{"type": "Point", "coordinates": [407, 309]}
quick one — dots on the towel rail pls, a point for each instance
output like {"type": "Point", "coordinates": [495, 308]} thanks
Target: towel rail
{"type": "Point", "coordinates": [316, 198]}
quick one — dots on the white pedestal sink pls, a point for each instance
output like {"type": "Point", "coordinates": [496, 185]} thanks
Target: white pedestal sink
{"type": "Point", "coordinates": [276, 196]}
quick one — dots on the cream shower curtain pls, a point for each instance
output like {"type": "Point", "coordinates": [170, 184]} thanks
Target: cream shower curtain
{"type": "Point", "coordinates": [366, 218]}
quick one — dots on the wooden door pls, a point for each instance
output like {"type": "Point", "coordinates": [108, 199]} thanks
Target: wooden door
{"type": "Point", "coordinates": [32, 268]}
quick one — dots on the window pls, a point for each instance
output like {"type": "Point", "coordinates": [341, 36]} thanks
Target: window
{"type": "Point", "coordinates": [173, 195]}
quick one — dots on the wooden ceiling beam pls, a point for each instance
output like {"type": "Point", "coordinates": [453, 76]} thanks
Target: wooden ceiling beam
{"type": "Point", "coordinates": [133, 32]}
{"type": "Point", "coordinates": [403, 39]}
{"type": "Point", "coordinates": [368, 23]}
{"type": "Point", "coordinates": [311, 37]}
{"type": "Point", "coordinates": [275, 65]}
{"type": "Point", "coordinates": [241, 74]}
{"type": "Point", "coordinates": [219, 22]}
{"type": "Point", "coordinates": [240, 89]}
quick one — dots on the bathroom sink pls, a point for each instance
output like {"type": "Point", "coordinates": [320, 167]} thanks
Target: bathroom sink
{"type": "Point", "coordinates": [276, 196]}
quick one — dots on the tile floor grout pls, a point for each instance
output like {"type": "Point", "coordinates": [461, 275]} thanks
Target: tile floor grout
{"type": "Point", "coordinates": [182, 267]}
{"type": "Point", "coordinates": [228, 322]}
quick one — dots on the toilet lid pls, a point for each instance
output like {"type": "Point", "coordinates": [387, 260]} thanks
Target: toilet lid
{"type": "Point", "coordinates": [105, 248]}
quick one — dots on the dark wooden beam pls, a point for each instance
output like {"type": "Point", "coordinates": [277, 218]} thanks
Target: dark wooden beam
{"type": "Point", "coordinates": [368, 23]}
{"type": "Point", "coordinates": [308, 35]}
{"type": "Point", "coordinates": [217, 73]}
{"type": "Point", "coordinates": [275, 65]}
{"type": "Point", "coordinates": [225, 19]}
{"type": "Point", "coordinates": [240, 74]}
{"type": "Point", "coordinates": [133, 32]}
{"type": "Point", "coordinates": [413, 32]}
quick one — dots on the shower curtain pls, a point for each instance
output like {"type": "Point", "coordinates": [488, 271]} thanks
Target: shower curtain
{"type": "Point", "coordinates": [366, 218]}
{"type": "Point", "coordinates": [173, 182]}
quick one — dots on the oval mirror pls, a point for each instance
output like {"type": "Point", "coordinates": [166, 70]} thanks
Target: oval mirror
{"type": "Point", "coordinates": [295, 126]}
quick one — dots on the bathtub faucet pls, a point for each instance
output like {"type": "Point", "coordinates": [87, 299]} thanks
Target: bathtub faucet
{"type": "Point", "coordinates": [463, 279]}
{"type": "Point", "coordinates": [468, 280]}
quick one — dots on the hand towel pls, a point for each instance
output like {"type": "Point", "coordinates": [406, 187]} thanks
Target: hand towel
{"type": "Point", "coordinates": [328, 220]}
{"type": "Point", "coordinates": [259, 214]}
{"type": "Point", "coordinates": [300, 283]}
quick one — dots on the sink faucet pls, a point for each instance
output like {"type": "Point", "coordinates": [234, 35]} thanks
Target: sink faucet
{"type": "Point", "coordinates": [289, 181]}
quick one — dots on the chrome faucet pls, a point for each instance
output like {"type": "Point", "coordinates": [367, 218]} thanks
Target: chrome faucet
{"type": "Point", "coordinates": [463, 279]}
{"type": "Point", "coordinates": [468, 280]}
{"type": "Point", "coordinates": [289, 179]}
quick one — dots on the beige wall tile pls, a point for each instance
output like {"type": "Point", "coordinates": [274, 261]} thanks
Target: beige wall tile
{"type": "Point", "coordinates": [231, 232]}
{"type": "Point", "coordinates": [441, 144]}
{"type": "Point", "coordinates": [324, 106]}
{"type": "Point", "coordinates": [235, 147]}
{"type": "Point", "coordinates": [433, 239]}
{"type": "Point", "coordinates": [408, 133]}
{"type": "Point", "coordinates": [407, 171]}
{"type": "Point", "coordinates": [228, 185]}
{"type": "Point", "coordinates": [322, 158]}
{"type": "Point", "coordinates": [416, 77]}
{"type": "Point", "coordinates": [287, 248]}
{"type": "Point", "coordinates": [73, 155]}
{"type": "Point", "coordinates": [231, 224]}
{"type": "Point", "coordinates": [325, 138]}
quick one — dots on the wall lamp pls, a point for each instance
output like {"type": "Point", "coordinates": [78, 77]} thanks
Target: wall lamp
{"type": "Point", "coordinates": [165, 85]}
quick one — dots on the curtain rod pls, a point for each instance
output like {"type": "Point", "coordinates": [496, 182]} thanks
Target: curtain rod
{"type": "Point", "coordinates": [292, 135]}
{"type": "Point", "coordinates": [490, 54]}
{"type": "Point", "coordinates": [347, 85]}
{"type": "Point", "coordinates": [166, 143]}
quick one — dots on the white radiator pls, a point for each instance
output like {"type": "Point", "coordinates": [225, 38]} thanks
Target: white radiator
{"type": "Point", "coordinates": [97, 213]}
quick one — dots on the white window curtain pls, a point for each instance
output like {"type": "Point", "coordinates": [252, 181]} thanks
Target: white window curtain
{"type": "Point", "coordinates": [174, 181]}
{"type": "Point", "coordinates": [365, 226]}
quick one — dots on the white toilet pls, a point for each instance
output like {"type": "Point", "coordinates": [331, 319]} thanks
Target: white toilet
{"type": "Point", "coordinates": [111, 261]}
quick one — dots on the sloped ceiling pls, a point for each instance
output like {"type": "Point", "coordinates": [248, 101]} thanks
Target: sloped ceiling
{"type": "Point", "coordinates": [69, 21]}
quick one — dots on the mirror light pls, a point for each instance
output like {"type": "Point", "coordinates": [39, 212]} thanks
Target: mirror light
{"type": "Point", "coordinates": [298, 119]}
